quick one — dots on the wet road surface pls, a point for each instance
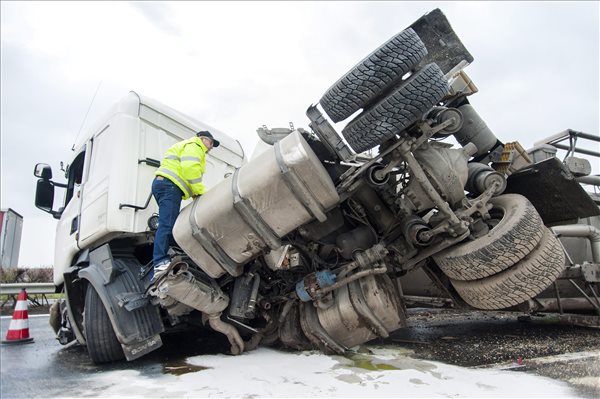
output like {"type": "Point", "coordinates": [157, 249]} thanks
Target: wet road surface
{"type": "Point", "coordinates": [500, 340]}
{"type": "Point", "coordinates": [476, 339]}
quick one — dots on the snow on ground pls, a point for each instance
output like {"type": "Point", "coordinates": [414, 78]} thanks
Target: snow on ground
{"type": "Point", "coordinates": [266, 372]}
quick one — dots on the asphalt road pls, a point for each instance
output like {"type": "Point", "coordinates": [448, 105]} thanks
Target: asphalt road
{"type": "Point", "coordinates": [499, 340]}
{"type": "Point", "coordinates": [44, 368]}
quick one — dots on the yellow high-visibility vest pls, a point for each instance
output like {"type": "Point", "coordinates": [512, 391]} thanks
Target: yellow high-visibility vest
{"type": "Point", "coordinates": [184, 164]}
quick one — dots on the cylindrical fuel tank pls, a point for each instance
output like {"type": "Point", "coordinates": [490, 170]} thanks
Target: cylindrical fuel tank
{"type": "Point", "coordinates": [275, 193]}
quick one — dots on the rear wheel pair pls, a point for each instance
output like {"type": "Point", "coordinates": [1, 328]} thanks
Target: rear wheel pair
{"type": "Point", "coordinates": [514, 262]}
{"type": "Point", "coordinates": [390, 104]}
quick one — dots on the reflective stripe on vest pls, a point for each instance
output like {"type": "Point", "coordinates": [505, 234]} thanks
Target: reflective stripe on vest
{"type": "Point", "coordinates": [182, 159]}
{"type": "Point", "coordinates": [179, 179]}
{"type": "Point", "coordinates": [193, 159]}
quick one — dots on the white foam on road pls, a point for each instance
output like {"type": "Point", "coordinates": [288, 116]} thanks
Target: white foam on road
{"type": "Point", "coordinates": [271, 373]}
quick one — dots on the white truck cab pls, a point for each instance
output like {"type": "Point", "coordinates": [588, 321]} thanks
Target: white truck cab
{"type": "Point", "coordinates": [109, 179]}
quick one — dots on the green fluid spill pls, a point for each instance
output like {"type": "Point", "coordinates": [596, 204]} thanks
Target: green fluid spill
{"type": "Point", "coordinates": [367, 364]}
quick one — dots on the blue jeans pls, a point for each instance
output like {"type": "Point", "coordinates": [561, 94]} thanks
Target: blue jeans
{"type": "Point", "coordinates": [168, 196]}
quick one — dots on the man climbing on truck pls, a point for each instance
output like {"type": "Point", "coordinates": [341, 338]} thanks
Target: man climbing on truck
{"type": "Point", "coordinates": [178, 178]}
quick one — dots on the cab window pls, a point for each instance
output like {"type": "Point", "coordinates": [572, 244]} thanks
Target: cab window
{"type": "Point", "coordinates": [74, 175]}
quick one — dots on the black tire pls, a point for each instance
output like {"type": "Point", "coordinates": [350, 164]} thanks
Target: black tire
{"type": "Point", "coordinates": [101, 340]}
{"type": "Point", "coordinates": [373, 75]}
{"type": "Point", "coordinates": [518, 232]}
{"type": "Point", "coordinates": [523, 281]}
{"type": "Point", "coordinates": [403, 107]}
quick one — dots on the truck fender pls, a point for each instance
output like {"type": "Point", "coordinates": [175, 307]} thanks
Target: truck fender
{"type": "Point", "coordinates": [136, 322]}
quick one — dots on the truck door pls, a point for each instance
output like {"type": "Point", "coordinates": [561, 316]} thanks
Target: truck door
{"type": "Point", "coordinates": [68, 226]}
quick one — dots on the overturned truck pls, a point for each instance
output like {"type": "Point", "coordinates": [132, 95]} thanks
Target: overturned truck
{"type": "Point", "coordinates": [321, 239]}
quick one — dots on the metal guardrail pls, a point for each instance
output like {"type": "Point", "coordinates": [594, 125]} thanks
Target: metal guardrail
{"type": "Point", "coordinates": [31, 288]}
{"type": "Point", "coordinates": [572, 136]}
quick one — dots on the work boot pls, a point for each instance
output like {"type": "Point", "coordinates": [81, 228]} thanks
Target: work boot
{"type": "Point", "coordinates": [160, 269]}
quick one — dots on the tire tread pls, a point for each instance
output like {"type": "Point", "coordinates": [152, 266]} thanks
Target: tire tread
{"type": "Point", "coordinates": [396, 112]}
{"type": "Point", "coordinates": [523, 281]}
{"type": "Point", "coordinates": [103, 345]}
{"type": "Point", "coordinates": [373, 75]}
{"type": "Point", "coordinates": [517, 234]}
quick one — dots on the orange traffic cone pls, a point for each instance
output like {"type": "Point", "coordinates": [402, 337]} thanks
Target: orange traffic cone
{"type": "Point", "coordinates": [18, 330]}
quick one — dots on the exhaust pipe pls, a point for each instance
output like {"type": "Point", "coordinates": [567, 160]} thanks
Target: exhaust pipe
{"type": "Point", "coordinates": [237, 343]}
{"type": "Point", "coordinates": [180, 285]}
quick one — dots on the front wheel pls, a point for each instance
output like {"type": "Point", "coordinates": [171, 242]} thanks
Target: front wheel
{"type": "Point", "coordinates": [102, 343]}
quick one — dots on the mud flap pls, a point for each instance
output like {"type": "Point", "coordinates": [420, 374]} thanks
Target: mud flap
{"type": "Point", "coordinates": [137, 323]}
{"type": "Point", "coordinates": [553, 191]}
{"type": "Point", "coordinates": [443, 45]}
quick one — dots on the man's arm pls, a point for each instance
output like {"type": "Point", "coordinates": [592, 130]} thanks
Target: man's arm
{"type": "Point", "coordinates": [193, 166]}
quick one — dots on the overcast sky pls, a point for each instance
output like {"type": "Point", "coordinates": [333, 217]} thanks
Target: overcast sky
{"type": "Point", "coordinates": [237, 66]}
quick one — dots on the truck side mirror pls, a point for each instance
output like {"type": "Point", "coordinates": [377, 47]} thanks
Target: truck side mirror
{"type": "Point", "coordinates": [43, 171]}
{"type": "Point", "coordinates": [44, 195]}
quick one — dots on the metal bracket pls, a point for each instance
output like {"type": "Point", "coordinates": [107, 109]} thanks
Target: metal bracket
{"type": "Point", "coordinates": [358, 301]}
{"type": "Point", "coordinates": [298, 188]}
{"type": "Point", "coordinates": [132, 300]}
{"type": "Point", "coordinates": [352, 174]}
{"type": "Point", "coordinates": [591, 272]}
{"type": "Point", "coordinates": [252, 217]}
{"type": "Point", "coordinates": [211, 246]}
{"type": "Point", "coordinates": [327, 134]}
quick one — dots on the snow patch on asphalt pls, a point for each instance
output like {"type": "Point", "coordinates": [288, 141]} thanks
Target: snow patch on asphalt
{"type": "Point", "coordinates": [264, 372]}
